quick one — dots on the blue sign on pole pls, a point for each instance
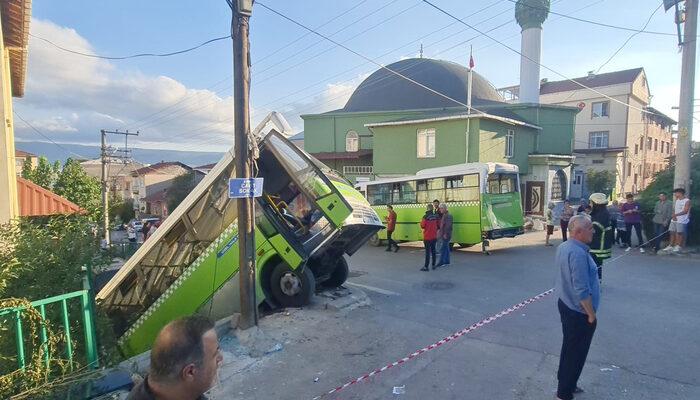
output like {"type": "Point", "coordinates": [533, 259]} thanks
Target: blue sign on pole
{"type": "Point", "coordinates": [241, 188]}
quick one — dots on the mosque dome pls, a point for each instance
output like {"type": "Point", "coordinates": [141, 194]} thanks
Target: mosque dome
{"type": "Point", "coordinates": [386, 91]}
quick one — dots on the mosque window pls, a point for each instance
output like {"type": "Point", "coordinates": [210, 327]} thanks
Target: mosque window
{"type": "Point", "coordinates": [510, 142]}
{"type": "Point", "coordinates": [426, 143]}
{"type": "Point", "coordinates": [352, 142]}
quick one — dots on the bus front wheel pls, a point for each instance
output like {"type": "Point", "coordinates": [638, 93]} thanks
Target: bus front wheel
{"type": "Point", "coordinates": [292, 288]}
{"type": "Point", "coordinates": [339, 274]}
{"type": "Point", "coordinates": [375, 241]}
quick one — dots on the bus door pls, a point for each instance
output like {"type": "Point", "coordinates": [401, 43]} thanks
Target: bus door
{"type": "Point", "coordinates": [301, 196]}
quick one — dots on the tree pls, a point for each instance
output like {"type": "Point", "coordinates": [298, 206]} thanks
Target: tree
{"type": "Point", "coordinates": [44, 174]}
{"type": "Point", "coordinates": [600, 181]}
{"type": "Point", "coordinates": [122, 209]}
{"type": "Point", "coordinates": [181, 187]}
{"type": "Point", "coordinates": [76, 185]}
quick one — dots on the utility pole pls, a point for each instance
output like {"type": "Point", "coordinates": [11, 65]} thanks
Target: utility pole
{"type": "Point", "coordinates": [242, 10]}
{"type": "Point", "coordinates": [106, 158]}
{"type": "Point", "coordinates": [685, 114]}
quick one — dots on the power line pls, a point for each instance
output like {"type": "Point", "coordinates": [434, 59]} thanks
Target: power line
{"type": "Point", "coordinates": [133, 55]}
{"type": "Point", "coordinates": [624, 28]}
{"type": "Point", "coordinates": [535, 61]}
{"type": "Point", "coordinates": [32, 127]}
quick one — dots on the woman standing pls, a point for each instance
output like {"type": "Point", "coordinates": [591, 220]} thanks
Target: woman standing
{"type": "Point", "coordinates": [566, 215]}
{"type": "Point", "coordinates": [429, 224]}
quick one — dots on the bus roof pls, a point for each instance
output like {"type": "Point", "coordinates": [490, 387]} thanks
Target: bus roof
{"type": "Point", "coordinates": [450, 170]}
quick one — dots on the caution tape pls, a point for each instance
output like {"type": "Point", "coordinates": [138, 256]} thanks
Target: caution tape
{"type": "Point", "coordinates": [439, 343]}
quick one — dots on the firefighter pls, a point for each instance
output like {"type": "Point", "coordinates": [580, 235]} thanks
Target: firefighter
{"type": "Point", "coordinates": [602, 231]}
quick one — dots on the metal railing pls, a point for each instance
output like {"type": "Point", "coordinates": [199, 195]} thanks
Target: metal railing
{"type": "Point", "coordinates": [358, 170]}
{"type": "Point", "coordinates": [87, 311]}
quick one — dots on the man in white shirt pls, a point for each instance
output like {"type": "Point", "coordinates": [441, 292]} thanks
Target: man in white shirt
{"type": "Point", "coordinates": [679, 221]}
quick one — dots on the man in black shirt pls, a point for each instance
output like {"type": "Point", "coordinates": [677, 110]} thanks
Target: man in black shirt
{"type": "Point", "coordinates": [184, 361]}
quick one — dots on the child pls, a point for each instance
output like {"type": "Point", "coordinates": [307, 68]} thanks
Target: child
{"type": "Point", "coordinates": [550, 223]}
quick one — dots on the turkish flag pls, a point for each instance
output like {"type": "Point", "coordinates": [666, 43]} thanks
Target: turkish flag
{"type": "Point", "coordinates": [471, 61]}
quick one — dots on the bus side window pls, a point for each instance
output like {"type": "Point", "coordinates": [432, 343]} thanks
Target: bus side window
{"type": "Point", "coordinates": [378, 194]}
{"type": "Point", "coordinates": [422, 192]}
{"type": "Point", "coordinates": [436, 189]}
{"type": "Point", "coordinates": [462, 188]}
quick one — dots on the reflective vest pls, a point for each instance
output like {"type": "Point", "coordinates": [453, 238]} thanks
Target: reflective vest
{"type": "Point", "coordinates": [601, 244]}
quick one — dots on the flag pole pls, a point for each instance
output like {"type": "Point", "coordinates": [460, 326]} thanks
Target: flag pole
{"type": "Point", "coordinates": [469, 103]}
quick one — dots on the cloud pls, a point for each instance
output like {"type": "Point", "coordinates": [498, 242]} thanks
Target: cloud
{"type": "Point", "coordinates": [72, 97]}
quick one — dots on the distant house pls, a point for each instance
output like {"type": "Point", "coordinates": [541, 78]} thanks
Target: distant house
{"type": "Point", "coordinates": [152, 179]}
{"type": "Point", "coordinates": [119, 179]}
{"type": "Point", "coordinates": [204, 169]}
{"type": "Point", "coordinates": [23, 157]}
{"type": "Point", "coordinates": [157, 204]}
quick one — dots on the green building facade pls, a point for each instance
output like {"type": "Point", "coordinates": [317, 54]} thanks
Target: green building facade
{"type": "Point", "coordinates": [393, 127]}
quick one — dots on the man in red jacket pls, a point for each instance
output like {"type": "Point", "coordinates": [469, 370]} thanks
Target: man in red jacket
{"type": "Point", "coordinates": [390, 227]}
{"type": "Point", "coordinates": [429, 224]}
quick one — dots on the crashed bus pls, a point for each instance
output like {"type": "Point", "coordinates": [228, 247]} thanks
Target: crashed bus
{"type": "Point", "coordinates": [306, 220]}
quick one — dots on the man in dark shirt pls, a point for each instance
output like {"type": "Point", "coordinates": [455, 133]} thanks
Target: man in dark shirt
{"type": "Point", "coordinates": [184, 360]}
{"type": "Point", "coordinates": [631, 211]}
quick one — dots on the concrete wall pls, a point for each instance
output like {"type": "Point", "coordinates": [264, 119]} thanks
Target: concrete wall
{"type": "Point", "coordinates": [558, 127]}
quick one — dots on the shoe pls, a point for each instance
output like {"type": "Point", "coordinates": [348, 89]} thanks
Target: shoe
{"type": "Point", "coordinates": [424, 269]}
{"type": "Point", "coordinates": [641, 250]}
{"type": "Point", "coordinates": [578, 390]}
{"type": "Point", "coordinates": [676, 249]}
{"type": "Point", "coordinates": [434, 267]}
{"type": "Point", "coordinates": [396, 249]}
{"type": "Point", "coordinates": [438, 266]}
{"type": "Point", "coordinates": [628, 248]}
{"type": "Point", "coordinates": [667, 248]}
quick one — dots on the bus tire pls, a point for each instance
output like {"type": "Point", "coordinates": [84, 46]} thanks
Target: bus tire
{"type": "Point", "coordinates": [292, 288]}
{"type": "Point", "coordinates": [375, 241]}
{"type": "Point", "coordinates": [339, 275]}
{"type": "Point", "coordinates": [465, 245]}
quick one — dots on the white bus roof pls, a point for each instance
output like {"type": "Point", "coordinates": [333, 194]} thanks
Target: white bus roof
{"type": "Point", "coordinates": [450, 170]}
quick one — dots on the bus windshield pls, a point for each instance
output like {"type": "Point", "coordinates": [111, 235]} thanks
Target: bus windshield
{"type": "Point", "coordinates": [303, 171]}
{"type": "Point", "coordinates": [501, 183]}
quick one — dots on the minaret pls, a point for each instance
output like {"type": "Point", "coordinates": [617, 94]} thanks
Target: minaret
{"type": "Point", "coordinates": [530, 15]}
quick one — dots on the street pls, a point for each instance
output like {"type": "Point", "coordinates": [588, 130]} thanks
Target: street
{"type": "Point", "coordinates": [645, 346]}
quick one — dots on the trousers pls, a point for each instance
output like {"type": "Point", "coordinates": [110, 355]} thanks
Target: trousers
{"type": "Point", "coordinates": [578, 334]}
{"type": "Point", "coordinates": [445, 251]}
{"type": "Point", "coordinates": [564, 226]}
{"type": "Point", "coordinates": [638, 229]}
{"type": "Point", "coordinates": [429, 252]}
{"type": "Point", "coordinates": [390, 242]}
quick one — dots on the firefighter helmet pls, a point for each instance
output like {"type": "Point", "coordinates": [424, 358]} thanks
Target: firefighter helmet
{"type": "Point", "coordinates": [599, 198]}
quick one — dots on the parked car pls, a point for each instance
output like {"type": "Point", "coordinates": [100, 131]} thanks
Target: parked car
{"type": "Point", "coordinates": [137, 225]}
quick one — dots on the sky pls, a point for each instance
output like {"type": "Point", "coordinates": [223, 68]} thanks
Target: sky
{"type": "Point", "coordinates": [184, 102]}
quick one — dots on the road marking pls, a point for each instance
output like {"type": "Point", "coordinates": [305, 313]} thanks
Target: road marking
{"type": "Point", "coordinates": [374, 289]}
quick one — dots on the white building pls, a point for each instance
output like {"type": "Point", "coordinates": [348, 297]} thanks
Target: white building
{"type": "Point", "coordinates": [616, 130]}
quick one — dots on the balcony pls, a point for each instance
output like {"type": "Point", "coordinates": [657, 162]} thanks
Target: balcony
{"type": "Point", "coordinates": [358, 170]}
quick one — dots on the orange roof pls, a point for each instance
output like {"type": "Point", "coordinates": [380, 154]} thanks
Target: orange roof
{"type": "Point", "coordinates": [34, 200]}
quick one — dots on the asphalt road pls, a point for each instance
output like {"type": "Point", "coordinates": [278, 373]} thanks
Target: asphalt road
{"type": "Point", "coordinates": [646, 345]}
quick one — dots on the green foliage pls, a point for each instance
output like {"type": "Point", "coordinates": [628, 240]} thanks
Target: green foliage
{"type": "Point", "coordinates": [600, 181]}
{"type": "Point", "coordinates": [44, 174]}
{"type": "Point", "coordinates": [120, 210]}
{"type": "Point", "coordinates": [76, 185]}
{"type": "Point", "coordinates": [40, 258]}
{"type": "Point", "coordinates": [663, 182]}
{"type": "Point", "coordinates": [181, 187]}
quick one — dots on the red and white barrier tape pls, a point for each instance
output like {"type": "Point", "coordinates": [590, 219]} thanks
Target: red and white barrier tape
{"type": "Point", "coordinates": [439, 343]}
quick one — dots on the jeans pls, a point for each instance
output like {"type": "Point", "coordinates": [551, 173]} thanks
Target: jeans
{"type": "Point", "coordinates": [578, 334]}
{"type": "Point", "coordinates": [390, 242]}
{"type": "Point", "coordinates": [659, 233]}
{"type": "Point", "coordinates": [444, 251]}
{"type": "Point", "coordinates": [429, 252]}
{"type": "Point", "coordinates": [564, 226]}
{"type": "Point", "coordinates": [637, 228]}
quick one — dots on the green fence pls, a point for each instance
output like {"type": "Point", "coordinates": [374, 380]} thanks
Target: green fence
{"type": "Point", "coordinates": [84, 300]}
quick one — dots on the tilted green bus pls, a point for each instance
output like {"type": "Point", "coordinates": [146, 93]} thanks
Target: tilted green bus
{"type": "Point", "coordinates": [483, 198]}
{"type": "Point", "coordinates": [305, 222]}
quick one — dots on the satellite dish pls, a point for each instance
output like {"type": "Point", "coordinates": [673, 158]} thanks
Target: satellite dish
{"type": "Point", "coordinates": [276, 121]}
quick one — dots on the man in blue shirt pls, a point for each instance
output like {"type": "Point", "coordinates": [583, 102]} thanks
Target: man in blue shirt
{"type": "Point", "coordinates": [579, 297]}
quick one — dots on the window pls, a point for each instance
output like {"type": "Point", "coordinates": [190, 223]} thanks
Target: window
{"type": "Point", "coordinates": [656, 144]}
{"type": "Point", "coordinates": [629, 169]}
{"type": "Point", "coordinates": [379, 194]}
{"type": "Point", "coordinates": [648, 143]}
{"type": "Point", "coordinates": [352, 142]}
{"type": "Point", "coordinates": [597, 161]}
{"type": "Point", "coordinates": [510, 143]}
{"type": "Point", "coordinates": [598, 140]}
{"type": "Point", "coordinates": [502, 183]}
{"type": "Point", "coordinates": [636, 149]}
{"type": "Point", "coordinates": [403, 193]}
{"type": "Point", "coordinates": [662, 146]}
{"type": "Point", "coordinates": [462, 188]}
{"type": "Point", "coordinates": [600, 109]}
{"type": "Point", "coordinates": [426, 143]}
{"type": "Point", "coordinates": [429, 190]}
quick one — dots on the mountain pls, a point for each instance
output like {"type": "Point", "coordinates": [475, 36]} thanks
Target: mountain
{"type": "Point", "coordinates": [149, 156]}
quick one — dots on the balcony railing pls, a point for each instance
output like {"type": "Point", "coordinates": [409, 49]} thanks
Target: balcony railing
{"type": "Point", "coordinates": [358, 170]}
